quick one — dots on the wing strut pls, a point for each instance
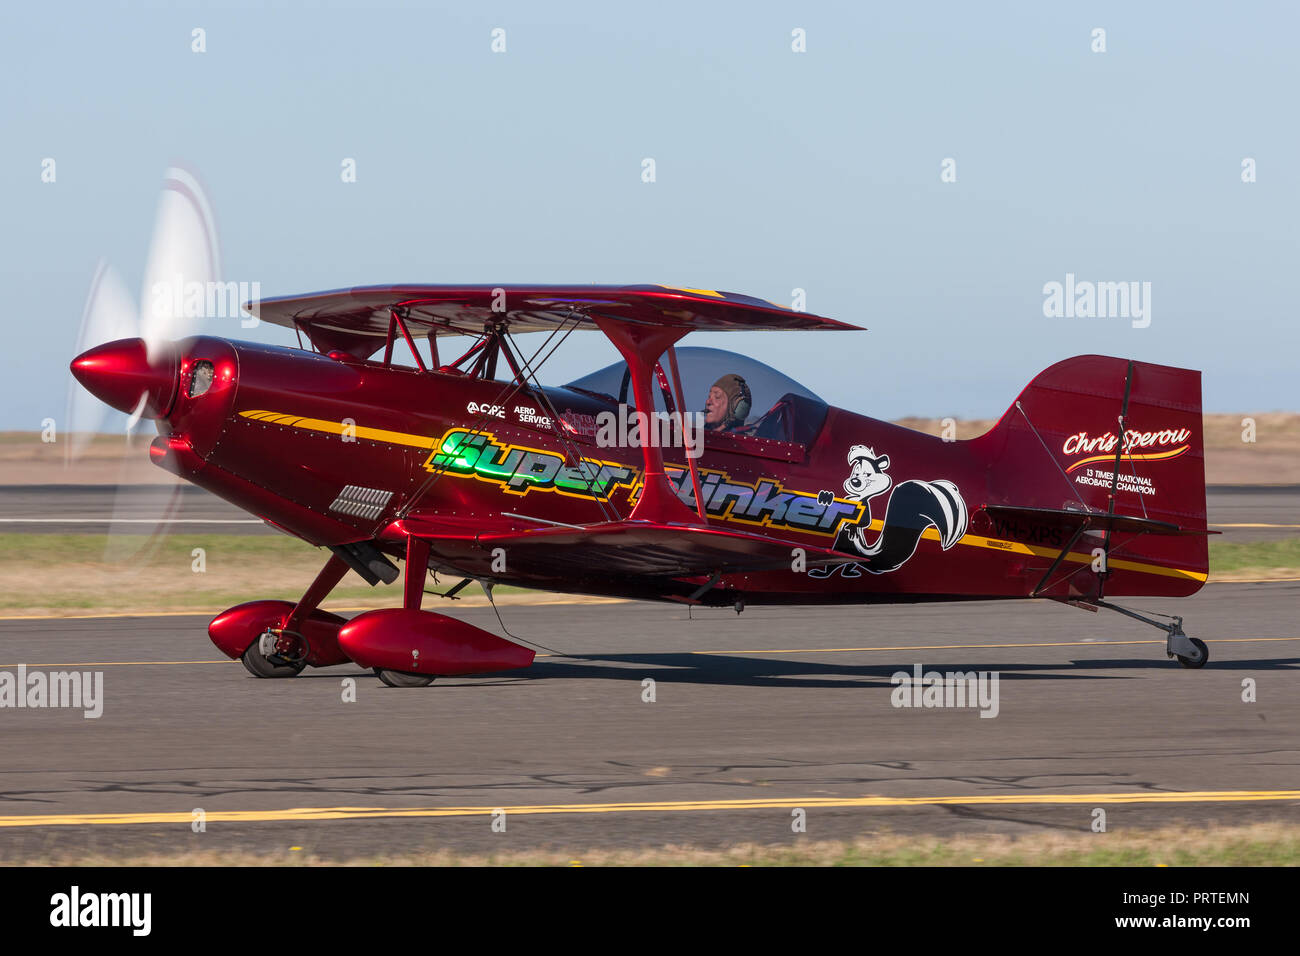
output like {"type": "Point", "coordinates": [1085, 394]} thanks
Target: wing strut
{"type": "Point", "coordinates": [681, 412]}
{"type": "Point", "coordinates": [641, 346]}
{"type": "Point", "coordinates": [400, 320]}
{"type": "Point", "coordinates": [1114, 477]}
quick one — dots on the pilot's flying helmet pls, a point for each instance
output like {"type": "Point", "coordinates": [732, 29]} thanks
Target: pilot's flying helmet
{"type": "Point", "coordinates": [739, 401]}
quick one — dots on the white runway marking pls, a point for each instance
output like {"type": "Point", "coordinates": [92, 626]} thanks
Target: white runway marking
{"type": "Point", "coordinates": [129, 521]}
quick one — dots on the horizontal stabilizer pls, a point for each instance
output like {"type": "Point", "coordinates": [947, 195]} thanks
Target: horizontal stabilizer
{"type": "Point", "coordinates": [1096, 520]}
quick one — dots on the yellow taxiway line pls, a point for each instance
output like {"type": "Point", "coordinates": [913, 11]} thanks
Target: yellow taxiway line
{"type": "Point", "coordinates": [313, 814]}
{"type": "Point", "coordinates": [1254, 525]}
{"type": "Point", "coordinates": [112, 615]}
{"type": "Point", "coordinates": [224, 660]}
{"type": "Point", "coordinates": [343, 610]}
{"type": "Point", "coordinates": [782, 650]}
{"type": "Point", "coordinates": [961, 647]}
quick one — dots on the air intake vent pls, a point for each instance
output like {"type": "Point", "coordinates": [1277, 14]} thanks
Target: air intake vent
{"type": "Point", "coordinates": [368, 503]}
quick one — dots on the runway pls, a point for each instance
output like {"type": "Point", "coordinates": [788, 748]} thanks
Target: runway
{"type": "Point", "coordinates": [1254, 512]}
{"type": "Point", "coordinates": [1240, 512]}
{"type": "Point", "coordinates": [754, 718]}
{"type": "Point", "coordinates": [77, 509]}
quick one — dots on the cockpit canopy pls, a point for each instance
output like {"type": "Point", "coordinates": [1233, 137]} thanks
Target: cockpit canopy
{"type": "Point", "coordinates": [781, 408]}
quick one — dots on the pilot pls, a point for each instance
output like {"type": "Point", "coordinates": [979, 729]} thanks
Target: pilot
{"type": "Point", "coordinates": [728, 404]}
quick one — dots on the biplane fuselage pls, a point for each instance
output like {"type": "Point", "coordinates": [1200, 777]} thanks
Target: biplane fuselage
{"type": "Point", "coordinates": [507, 482]}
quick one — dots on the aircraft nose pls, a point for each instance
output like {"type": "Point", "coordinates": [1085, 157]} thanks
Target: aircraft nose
{"type": "Point", "coordinates": [119, 373]}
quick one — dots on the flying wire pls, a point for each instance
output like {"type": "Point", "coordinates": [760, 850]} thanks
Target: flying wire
{"type": "Point", "coordinates": [487, 589]}
{"type": "Point", "coordinates": [1022, 411]}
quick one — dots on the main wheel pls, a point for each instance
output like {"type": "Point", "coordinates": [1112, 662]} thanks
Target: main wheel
{"type": "Point", "coordinates": [403, 678]}
{"type": "Point", "coordinates": [1205, 655]}
{"type": "Point", "coordinates": [260, 666]}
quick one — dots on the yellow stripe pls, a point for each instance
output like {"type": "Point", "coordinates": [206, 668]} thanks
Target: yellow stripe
{"type": "Point", "coordinates": [708, 292]}
{"type": "Point", "coordinates": [1150, 456]}
{"type": "Point", "coordinates": [311, 814]}
{"type": "Point", "coordinates": [1077, 557]}
{"type": "Point", "coordinates": [336, 428]}
{"type": "Point", "coordinates": [930, 534]}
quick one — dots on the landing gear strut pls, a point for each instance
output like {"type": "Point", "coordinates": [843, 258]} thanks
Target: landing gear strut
{"type": "Point", "coordinates": [417, 569]}
{"type": "Point", "coordinates": [283, 651]}
{"type": "Point", "coordinates": [1190, 651]}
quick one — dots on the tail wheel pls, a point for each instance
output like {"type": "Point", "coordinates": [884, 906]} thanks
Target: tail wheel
{"type": "Point", "coordinates": [1200, 661]}
{"type": "Point", "coordinates": [403, 678]}
{"type": "Point", "coordinates": [259, 665]}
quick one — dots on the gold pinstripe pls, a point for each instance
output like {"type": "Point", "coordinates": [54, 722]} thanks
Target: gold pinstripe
{"type": "Point", "coordinates": [930, 534]}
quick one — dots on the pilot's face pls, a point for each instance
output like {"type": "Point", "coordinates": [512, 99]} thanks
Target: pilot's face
{"type": "Point", "coordinates": [715, 407]}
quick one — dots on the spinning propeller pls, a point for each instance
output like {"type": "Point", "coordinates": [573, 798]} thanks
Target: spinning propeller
{"type": "Point", "coordinates": [128, 358]}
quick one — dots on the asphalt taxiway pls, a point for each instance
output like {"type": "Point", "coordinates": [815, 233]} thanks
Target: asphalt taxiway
{"type": "Point", "coordinates": [753, 718]}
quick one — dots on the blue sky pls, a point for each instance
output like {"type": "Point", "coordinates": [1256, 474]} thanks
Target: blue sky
{"type": "Point", "coordinates": [775, 170]}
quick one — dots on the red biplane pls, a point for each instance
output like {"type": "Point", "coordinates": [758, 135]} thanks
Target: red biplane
{"type": "Point", "coordinates": [1089, 487]}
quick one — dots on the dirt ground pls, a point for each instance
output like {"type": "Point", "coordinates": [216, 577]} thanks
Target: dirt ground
{"type": "Point", "coordinates": [99, 574]}
{"type": "Point", "coordinates": [1273, 458]}
{"type": "Point", "coordinates": [107, 460]}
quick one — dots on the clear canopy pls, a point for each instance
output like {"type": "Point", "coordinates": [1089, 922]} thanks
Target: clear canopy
{"type": "Point", "coordinates": [773, 393]}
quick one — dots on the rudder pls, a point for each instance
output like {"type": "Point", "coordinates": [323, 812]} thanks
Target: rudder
{"type": "Point", "coordinates": [1058, 444]}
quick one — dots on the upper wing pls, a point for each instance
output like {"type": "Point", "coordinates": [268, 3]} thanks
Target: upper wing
{"type": "Point", "coordinates": [448, 309]}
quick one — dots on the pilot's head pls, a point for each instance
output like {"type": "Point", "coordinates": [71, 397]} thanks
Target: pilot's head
{"type": "Point", "coordinates": [728, 403]}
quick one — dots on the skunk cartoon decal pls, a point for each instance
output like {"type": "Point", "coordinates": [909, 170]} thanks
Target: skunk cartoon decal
{"type": "Point", "coordinates": [914, 506]}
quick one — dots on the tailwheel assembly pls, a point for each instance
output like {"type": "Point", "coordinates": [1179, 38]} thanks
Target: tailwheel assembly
{"type": "Point", "coordinates": [1201, 656]}
{"type": "Point", "coordinates": [1191, 652]}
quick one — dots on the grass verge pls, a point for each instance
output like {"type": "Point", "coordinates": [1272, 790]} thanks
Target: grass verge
{"type": "Point", "coordinates": [69, 574]}
{"type": "Point", "coordinates": [75, 574]}
{"type": "Point", "coordinates": [1277, 558]}
{"type": "Point", "coordinates": [1261, 844]}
